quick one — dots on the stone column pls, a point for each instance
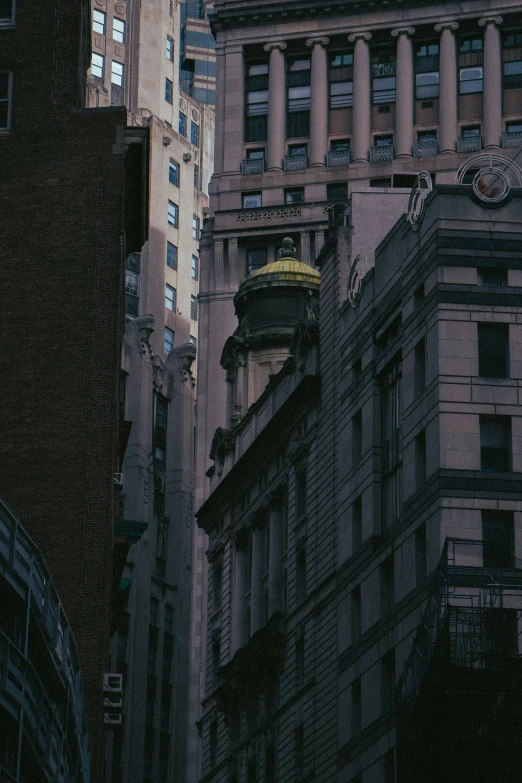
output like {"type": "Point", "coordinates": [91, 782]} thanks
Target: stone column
{"type": "Point", "coordinates": [319, 242]}
{"type": "Point", "coordinates": [239, 634]}
{"type": "Point", "coordinates": [220, 109]}
{"type": "Point", "coordinates": [305, 247]}
{"type": "Point", "coordinates": [361, 97]}
{"type": "Point", "coordinates": [230, 377]}
{"type": "Point", "coordinates": [239, 396]}
{"type": "Point", "coordinates": [233, 269]}
{"type": "Point", "coordinates": [234, 110]}
{"type": "Point", "coordinates": [256, 584]}
{"type": "Point", "coordinates": [492, 81]}
{"type": "Point", "coordinates": [448, 87]}
{"type": "Point", "coordinates": [405, 91]}
{"type": "Point", "coordinates": [276, 106]}
{"type": "Point", "coordinates": [219, 264]}
{"type": "Point", "coordinates": [318, 102]}
{"type": "Point", "coordinates": [274, 560]}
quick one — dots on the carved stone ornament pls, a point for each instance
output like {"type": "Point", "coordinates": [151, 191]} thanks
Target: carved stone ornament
{"type": "Point", "coordinates": [416, 206]}
{"type": "Point", "coordinates": [287, 249]}
{"type": "Point", "coordinates": [120, 9]}
{"type": "Point", "coordinates": [496, 175]}
{"type": "Point", "coordinates": [356, 277]}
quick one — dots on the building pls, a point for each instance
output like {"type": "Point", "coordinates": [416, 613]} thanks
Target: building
{"type": "Point", "coordinates": [364, 581]}
{"type": "Point", "coordinates": [44, 736]}
{"type": "Point", "coordinates": [74, 206]}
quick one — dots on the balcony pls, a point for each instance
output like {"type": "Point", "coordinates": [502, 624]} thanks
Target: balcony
{"type": "Point", "coordinates": [295, 162]}
{"type": "Point", "coordinates": [512, 139]}
{"type": "Point", "coordinates": [254, 166]}
{"type": "Point", "coordinates": [381, 154]}
{"type": "Point", "coordinates": [338, 158]}
{"type": "Point", "coordinates": [425, 149]}
{"type": "Point", "coordinates": [471, 144]}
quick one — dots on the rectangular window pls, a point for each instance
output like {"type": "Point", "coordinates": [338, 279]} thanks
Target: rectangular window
{"type": "Point", "coordinates": [98, 21]}
{"type": "Point", "coordinates": [132, 283]}
{"type": "Point", "coordinates": [170, 298]}
{"type": "Point", "coordinates": [340, 145]}
{"type": "Point", "coordinates": [391, 448]}
{"type": "Point", "coordinates": [493, 350]}
{"type": "Point", "coordinates": [168, 91]}
{"type": "Point", "coordinates": [182, 124]}
{"type": "Point", "coordinates": [419, 364]}
{"type": "Point", "coordinates": [252, 200]}
{"type": "Point", "coordinates": [294, 196]}
{"type": "Point", "coordinates": [195, 227]}
{"type": "Point", "coordinates": [492, 277]}
{"type": "Point", "coordinates": [7, 12]}
{"type": "Point", "coordinates": [194, 268]}
{"type": "Point", "coordinates": [255, 154]}
{"type": "Point", "coordinates": [216, 657]}
{"type": "Point", "coordinates": [300, 494]}
{"type": "Point", "coordinates": [420, 554]}
{"type": "Point", "coordinates": [174, 173]}
{"type": "Point", "coordinates": [213, 742]}
{"type": "Point", "coordinates": [300, 570]}
{"type": "Point", "coordinates": [356, 614]}
{"type": "Point", "coordinates": [341, 80]}
{"type": "Point", "coordinates": [117, 73]}
{"type": "Point", "coordinates": [387, 682]}
{"type": "Point", "coordinates": [160, 432]}
{"type": "Point", "coordinates": [256, 120]}
{"type": "Point", "coordinates": [387, 587]}
{"type": "Point", "coordinates": [6, 91]}
{"type": "Point", "coordinates": [168, 339]}
{"type": "Point", "coordinates": [495, 443]}
{"type": "Point", "coordinates": [471, 80]}
{"type": "Point", "coordinates": [172, 255]}
{"type": "Point", "coordinates": [356, 708]}
{"type": "Point", "coordinates": [427, 71]}
{"type": "Point", "coordinates": [217, 577]}
{"type": "Point", "coordinates": [298, 98]}
{"type": "Point", "coordinates": [356, 439]}
{"type": "Point", "coordinates": [337, 192]}
{"type": "Point", "coordinates": [172, 216]}
{"type": "Point", "coordinates": [193, 308]}
{"type": "Point", "coordinates": [383, 76]}
{"type": "Point", "coordinates": [420, 460]}
{"type": "Point", "coordinates": [256, 258]}
{"type": "Point", "coordinates": [98, 65]}
{"type": "Point", "coordinates": [118, 29]}
{"type": "Point", "coordinates": [169, 49]}
{"type": "Point", "coordinates": [512, 61]}
{"type": "Point", "coordinates": [196, 176]}
{"type": "Point", "coordinates": [154, 611]}
{"type": "Point", "coordinates": [299, 751]}
{"type": "Point", "coordinates": [194, 134]}
{"type": "Point", "coordinates": [357, 524]}
{"type": "Point", "coordinates": [299, 662]}
{"type": "Point", "coordinates": [498, 539]}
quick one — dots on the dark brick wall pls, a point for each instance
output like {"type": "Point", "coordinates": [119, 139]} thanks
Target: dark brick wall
{"type": "Point", "coordinates": [61, 210]}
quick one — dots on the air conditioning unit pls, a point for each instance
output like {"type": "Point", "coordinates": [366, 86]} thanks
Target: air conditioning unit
{"type": "Point", "coordinates": [112, 683]}
{"type": "Point", "coordinates": [187, 156]}
{"type": "Point", "coordinates": [118, 479]}
{"type": "Point", "coordinates": [114, 703]}
{"type": "Point", "coordinates": [112, 718]}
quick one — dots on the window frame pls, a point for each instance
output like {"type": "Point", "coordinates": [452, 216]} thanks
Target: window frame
{"type": "Point", "coordinates": [169, 91]}
{"type": "Point", "coordinates": [194, 133]}
{"type": "Point", "coordinates": [102, 67]}
{"type": "Point", "coordinates": [8, 100]}
{"type": "Point", "coordinates": [172, 256]}
{"type": "Point", "coordinates": [289, 199]}
{"type": "Point", "coordinates": [167, 333]}
{"type": "Point", "coordinates": [102, 24]}
{"type": "Point", "coordinates": [195, 227]}
{"type": "Point", "coordinates": [9, 21]}
{"type": "Point", "coordinates": [490, 358]}
{"type": "Point", "coordinates": [174, 172]}
{"type": "Point", "coordinates": [174, 214]}
{"type": "Point", "coordinates": [496, 463]}
{"type": "Point", "coordinates": [254, 195]}
{"type": "Point", "coordinates": [182, 125]}
{"type": "Point", "coordinates": [114, 73]}
{"type": "Point", "coordinates": [194, 270]}
{"type": "Point", "coordinates": [462, 81]}
{"type": "Point", "coordinates": [122, 32]}
{"type": "Point", "coordinates": [193, 308]}
{"type": "Point", "coordinates": [169, 49]}
{"type": "Point", "coordinates": [170, 298]}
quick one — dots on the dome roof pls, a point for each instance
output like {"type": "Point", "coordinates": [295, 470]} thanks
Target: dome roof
{"type": "Point", "coordinates": [286, 270]}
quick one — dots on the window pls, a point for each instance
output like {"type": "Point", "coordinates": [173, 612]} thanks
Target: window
{"type": "Point", "coordinates": [196, 176]}
{"type": "Point", "coordinates": [514, 127]}
{"type": "Point", "coordinates": [213, 741]}
{"type": "Point", "coordinates": [174, 173]}
{"type": "Point", "coordinates": [383, 141]}
{"type": "Point", "coordinates": [256, 258]}
{"type": "Point", "coordinates": [495, 443]}
{"type": "Point", "coordinates": [337, 192]}
{"type": "Point", "coordinates": [299, 662]}
{"type": "Point", "coordinates": [383, 76]}
{"type": "Point", "coordinates": [299, 751]}
{"type": "Point", "coordinates": [294, 196]}
{"type": "Point", "coordinates": [300, 494]}
{"type": "Point", "coordinates": [194, 268]}
{"type": "Point", "coordinates": [193, 308]}
{"type": "Point", "coordinates": [387, 587]}
{"type": "Point", "coordinates": [356, 708]}
{"type": "Point", "coordinates": [420, 554]}
{"type": "Point", "coordinates": [387, 682]}
{"type": "Point", "coordinates": [512, 61]}
{"type": "Point", "coordinates": [172, 255]}
{"type": "Point", "coordinates": [356, 614]}
{"type": "Point", "coordinates": [182, 124]}
{"type": "Point", "coordinates": [7, 12]}
{"type": "Point", "coordinates": [470, 132]}
{"type": "Point", "coordinates": [391, 445]}
{"type": "Point", "coordinates": [255, 154]}
{"type": "Point", "coordinates": [356, 438]}
{"type": "Point", "coordinates": [420, 460]}
{"type": "Point", "coordinates": [270, 763]}
{"type": "Point", "coordinates": [340, 145]}
{"type": "Point", "coordinates": [427, 137]}
{"type": "Point", "coordinates": [298, 98]}
{"type": "Point", "coordinates": [195, 227]}
{"type": "Point", "coordinates": [118, 29]}
{"type": "Point", "coordinates": [169, 619]}
{"type": "Point", "coordinates": [194, 134]}
{"type": "Point", "coordinates": [256, 120]}
{"type": "Point", "coordinates": [419, 365]}
{"type": "Point", "coordinates": [98, 21]}
{"type": "Point", "coordinates": [427, 71]}
{"type": "Point", "coordinates": [467, 45]}
{"type": "Point", "coordinates": [98, 65]}
{"type": "Point", "coordinates": [489, 276]}
{"type": "Point", "coordinates": [168, 339]}
{"type": "Point", "coordinates": [357, 524]}
{"type": "Point", "coordinates": [341, 80]}
{"type": "Point", "coordinates": [471, 80]}
{"type": "Point", "coordinates": [172, 216]}
{"type": "Point", "coordinates": [168, 91]}
{"type": "Point", "coordinates": [170, 298]}
{"type": "Point", "coordinates": [498, 539]}
{"type": "Point", "coordinates": [132, 283]}
{"type": "Point", "coordinates": [493, 350]}
{"type": "Point", "coordinates": [381, 182]}
{"type": "Point", "coordinates": [217, 576]}
{"type": "Point", "coordinates": [169, 49]}
{"type": "Point", "coordinates": [160, 432]}
{"type": "Point", "coordinates": [6, 90]}
{"type": "Point", "coordinates": [117, 73]}
{"type": "Point", "coordinates": [252, 200]}
{"type": "Point", "coordinates": [216, 657]}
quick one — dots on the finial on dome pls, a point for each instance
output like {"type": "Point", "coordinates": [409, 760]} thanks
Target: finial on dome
{"type": "Point", "coordinates": [287, 249]}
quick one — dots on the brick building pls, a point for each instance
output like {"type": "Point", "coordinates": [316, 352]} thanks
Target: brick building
{"type": "Point", "coordinates": [74, 205]}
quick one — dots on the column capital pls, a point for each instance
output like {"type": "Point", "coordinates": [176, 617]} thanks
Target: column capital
{"type": "Point", "coordinates": [281, 45]}
{"type": "Point", "coordinates": [446, 26]}
{"type": "Point", "coordinates": [355, 36]}
{"type": "Point", "coordinates": [321, 41]}
{"type": "Point", "coordinates": [403, 31]}
{"type": "Point", "coordinates": [487, 19]}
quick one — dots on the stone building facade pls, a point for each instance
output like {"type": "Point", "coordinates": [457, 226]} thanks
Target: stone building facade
{"type": "Point", "coordinates": [364, 515]}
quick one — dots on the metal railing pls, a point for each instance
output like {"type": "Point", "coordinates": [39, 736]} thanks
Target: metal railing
{"type": "Point", "coordinates": [295, 162]}
{"type": "Point", "coordinates": [424, 149]}
{"type": "Point", "coordinates": [512, 139]}
{"type": "Point", "coordinates": [255, 166]}
{"type": "Point", "coordinates": [381, 154]}
{"type": "Point", "coordinates": [338, 158]}
{"type": "Point", "coordinates": [471, 144]}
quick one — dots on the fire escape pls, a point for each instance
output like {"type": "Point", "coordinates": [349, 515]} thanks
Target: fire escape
{"type": "Point", "coordinates": [459, 699]}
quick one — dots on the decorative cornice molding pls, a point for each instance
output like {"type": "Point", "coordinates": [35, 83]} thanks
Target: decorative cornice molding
{"type": "Point", "coordinates": [486, 19]}
{"type": "Point", "coordinates": [402, 31]}
{"type": "Point", "coordinates": [446, 26]}
{"type": "Point", "coordinates": [354, 36]}
{"type": "Point", "coordinates": [322, 41]}
{"type": "Point", "coordinates": [281, 45]}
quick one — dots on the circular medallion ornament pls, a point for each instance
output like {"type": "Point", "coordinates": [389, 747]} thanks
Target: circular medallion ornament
{"type": "Point", "coordinates": [358, 271]}
{"type": "Point", "coordinates": [416, 205]}
{"type": "Point", "coordinates": [495, 177]}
